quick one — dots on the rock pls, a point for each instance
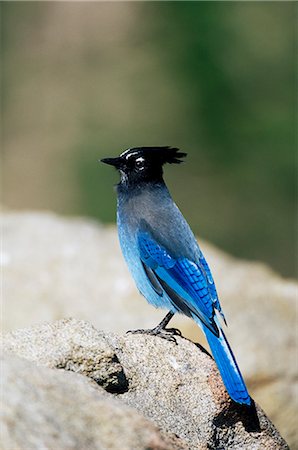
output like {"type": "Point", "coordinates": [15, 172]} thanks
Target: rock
{"type": "Point", "coordinates": [55, 267]}
{"type": "Point", "coordinates": [71, 345]}
{"type": "Point", "coordinates": [176, 386]}
{"type": "Point", "coordinates": [46, 408]}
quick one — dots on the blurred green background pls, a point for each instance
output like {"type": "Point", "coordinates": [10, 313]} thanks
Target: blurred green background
{"type": "Point", "coordinates": [81, 81]}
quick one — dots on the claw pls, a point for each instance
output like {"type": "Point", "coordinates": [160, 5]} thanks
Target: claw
{"type": "Point", "coordinates": [173, 331]}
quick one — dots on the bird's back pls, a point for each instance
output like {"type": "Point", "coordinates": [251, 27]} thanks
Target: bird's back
{"type": "Point", "coordinates": [151, 208]}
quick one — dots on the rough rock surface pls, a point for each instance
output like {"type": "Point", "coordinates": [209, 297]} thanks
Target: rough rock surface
{"type": "Point", "coordinates": [71, 346]}
{"type": "Point", "coordinates": [55, 267]}
{"type": "Point", "coordinates": [49, 409]}
{"type": "Point", "coordinates": [175, 386]}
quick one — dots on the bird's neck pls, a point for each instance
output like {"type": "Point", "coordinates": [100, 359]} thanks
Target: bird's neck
{"type": "Point", "coordinates": [134, 189]}
{"type": "Point", "coordinates": [143, 199]}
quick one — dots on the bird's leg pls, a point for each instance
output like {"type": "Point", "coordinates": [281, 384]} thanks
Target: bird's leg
{"type": "Point", "coordinates": [161, 330]}
{"type": "Point", "coordinates": [162, 325]}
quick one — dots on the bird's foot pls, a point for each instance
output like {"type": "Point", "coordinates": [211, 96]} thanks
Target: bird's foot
{"type": "Point", "coordinates": [164, 333]}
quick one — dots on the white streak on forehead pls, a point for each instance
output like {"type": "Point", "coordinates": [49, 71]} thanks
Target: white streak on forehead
{"type": "Point", "coordinates": [125, 151]}
{"type": "Point", "coordinates": [140, 159]}
{"type": "Point", "coordinates": [127, 154]}
{"type": "Point", "coordinates": [131, 154]}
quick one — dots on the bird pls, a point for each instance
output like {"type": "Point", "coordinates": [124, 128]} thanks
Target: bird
{"type": "Point", "coordinates": [164, 258]}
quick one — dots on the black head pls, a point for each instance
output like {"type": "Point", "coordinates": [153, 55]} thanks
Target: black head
{"type": "Point", "coordinates": [144, 164]}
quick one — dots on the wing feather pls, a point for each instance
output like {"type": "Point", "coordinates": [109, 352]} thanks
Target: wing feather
{"type": "Point", "coordinates": [184, 281]}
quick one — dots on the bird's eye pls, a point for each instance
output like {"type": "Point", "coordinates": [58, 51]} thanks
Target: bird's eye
{"type": "Point", "coordinates": [139, 164]}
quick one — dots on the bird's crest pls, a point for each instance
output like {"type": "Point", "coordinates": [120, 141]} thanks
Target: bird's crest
{"type": "Point", "coordinates": [163, 155]}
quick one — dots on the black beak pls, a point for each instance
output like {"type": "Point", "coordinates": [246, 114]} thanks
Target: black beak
{"type": "Point", "coordinates": [116, 162]}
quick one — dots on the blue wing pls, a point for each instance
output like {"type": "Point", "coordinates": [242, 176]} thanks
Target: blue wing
{"type": "Point", "coordinates": [191, 289]}
{"type": "Point", "coordinates": [186, 283]}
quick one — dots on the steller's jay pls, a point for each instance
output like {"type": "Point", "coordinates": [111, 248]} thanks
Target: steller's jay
{"type": "Point", "coordinates": [164, 258]}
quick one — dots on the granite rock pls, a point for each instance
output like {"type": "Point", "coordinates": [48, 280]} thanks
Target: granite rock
{"type": "Point", "coordinates": [70, 345]}
{"type": "Point", "coordinates": [174, 385]}
{"type": "Point", "coordinates": [44, 408]}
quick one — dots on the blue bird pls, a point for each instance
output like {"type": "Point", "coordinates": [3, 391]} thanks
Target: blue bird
{"type": "Point", "coordinates": [164, 258]}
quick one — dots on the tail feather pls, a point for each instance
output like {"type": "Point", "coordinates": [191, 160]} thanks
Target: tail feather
{"type": "Point", "coordinates": [228, 367]}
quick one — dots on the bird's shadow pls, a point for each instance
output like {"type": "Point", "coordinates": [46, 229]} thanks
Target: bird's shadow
{"type": "Point", "coordinates": [247, 415]}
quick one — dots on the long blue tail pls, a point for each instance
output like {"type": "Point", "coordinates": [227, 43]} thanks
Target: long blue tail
{"type": "Point", "coordinates": [228, 367]}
